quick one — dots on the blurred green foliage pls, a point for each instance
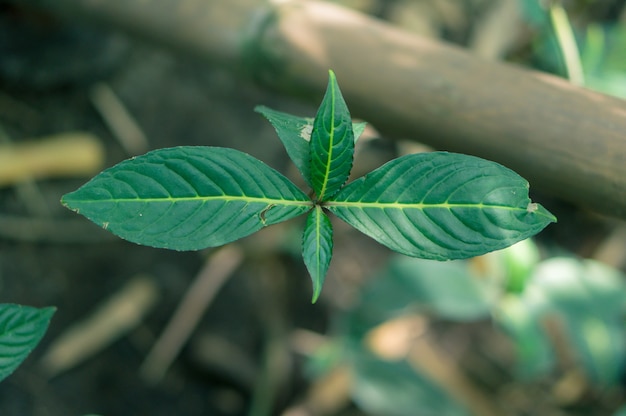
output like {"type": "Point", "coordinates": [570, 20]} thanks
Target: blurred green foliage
{"type": "Point", "coordinates": [601, 47]}
{"type": "Point", "coordinates": [532, 302]}
{"type": "Point", "coordinates": [587, 300]}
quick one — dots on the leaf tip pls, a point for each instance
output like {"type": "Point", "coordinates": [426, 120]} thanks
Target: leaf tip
{"type": "Point", "coordinates": [47, 313]}
{"type": "Point", "coordinates": [316, 295]}
{"type": "Point", "coordinates": [535, 208]}
{"type": "Point", "coordinates": [66, 202]}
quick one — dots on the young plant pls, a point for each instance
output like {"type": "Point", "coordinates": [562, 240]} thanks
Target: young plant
{"type": "Point", "coordinates": [434, 205]}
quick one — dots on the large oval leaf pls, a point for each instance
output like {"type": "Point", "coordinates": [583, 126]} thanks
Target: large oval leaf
{"type": "Point", "coordinates": [21, 329]}
{"type": "Point", "coordinates": [441, 206]}
{"type": "Point", "coordinates": [188, 198]}
{"type": "Point", "coordinates": [332, 143]}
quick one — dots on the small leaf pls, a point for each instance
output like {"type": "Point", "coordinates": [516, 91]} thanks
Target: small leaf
{"type": "Point", "coordinates": [188, 198]}
{"type": "Point", "coordinates": [295, 133]}
{"type": "Point", "coordinates": [317, 248]}
{"type": "Point", "coordinates": [332, 143]}
{"type": "Point", "coordinates": [21, 329]}
{"type": "Point", "coordinates": [441, 206]}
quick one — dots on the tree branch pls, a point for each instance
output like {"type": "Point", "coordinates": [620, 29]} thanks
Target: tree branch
{"type": "Point", "coordinates": [566, 140]}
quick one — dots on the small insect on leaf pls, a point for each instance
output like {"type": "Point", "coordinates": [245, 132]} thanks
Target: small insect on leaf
{"type": "Point", "coordinates": [262, 213]}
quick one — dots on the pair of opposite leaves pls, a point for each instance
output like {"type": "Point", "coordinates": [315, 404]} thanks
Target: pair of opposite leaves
{"type": "Point", "coordinates": [436, 205]}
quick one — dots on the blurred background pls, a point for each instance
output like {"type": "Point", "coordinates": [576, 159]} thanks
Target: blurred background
{"type": "Point", "coordinates": [536, 329]}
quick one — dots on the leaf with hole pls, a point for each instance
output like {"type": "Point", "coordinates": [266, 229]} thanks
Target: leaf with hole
{"type": "Point", "coordinates": [21, 329]}
{"type": "Point", "coordinates": [188, 198]}
{"type": "Point", "coordinates": [441, 206]}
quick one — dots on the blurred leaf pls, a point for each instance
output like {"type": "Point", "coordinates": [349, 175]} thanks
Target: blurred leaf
{"type": "Point", "coordinates": [388, 388]}
{"type": "Point", "coordinates": [445, 289]}
{"type": "Point", "coordinates": [448, 290]}
{"type": "Point", "coordinates": [584, 287]}
{"type": "Point", "coordinates": [602, 55]}
{"type": "Point", "coordinates": [327, 357]}
{"type": "Point", "coordinates": [519, 261]}
{"type": "Point", "coordinates": [609, 83]}
{"type": "Point", "coordinates": [546, 54]}
{"type": "Point", "coordinates": [534, 355]}
{"type": "Point", "coordinates": [590, 299]}
{"type": "Point", "coordinates": [534, 12]}
{"type": "Point", "coordinates": [601, 347]}
{"type": "Point", "coordinates": [601, 51]}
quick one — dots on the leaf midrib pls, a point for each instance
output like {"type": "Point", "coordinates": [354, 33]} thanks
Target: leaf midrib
{"type": "Point", "coordinates": [318, 237]}
{"type": "Point", "coordinates": [275, 201]}
{"type": "Point", "coordinates": [331, 137]}
{"type": "Point", "coordinates": [418, 205]}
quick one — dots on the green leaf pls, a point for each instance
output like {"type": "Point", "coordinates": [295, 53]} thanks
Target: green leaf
{"type": "Point", "coordinates": [332, 143]}
{"type": "Point", "coordinates": [295, 133]}
{"type": "Point", "coordinates": [317, 247]}
{"type": "Point", "coordinates": [394, 388]}
{"type": "Point", "coordinates": [441, 206]}
{"type": "Point", "coordinates": [21, 329]}
{"type": "Point", "coordinates": [188, 198]}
